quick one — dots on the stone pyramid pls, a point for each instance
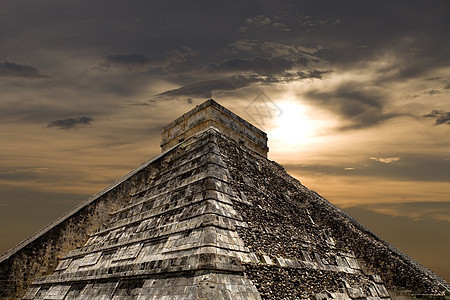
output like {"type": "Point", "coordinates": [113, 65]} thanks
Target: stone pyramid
{"type": "Point", "coordinates": [210, 218]}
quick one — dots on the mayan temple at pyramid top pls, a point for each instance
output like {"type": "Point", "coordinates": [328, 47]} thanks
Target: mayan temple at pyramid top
{"type": "Point", "coordinates": [207, 219]}
{"type": "Point", "coordinates": [211, 114]}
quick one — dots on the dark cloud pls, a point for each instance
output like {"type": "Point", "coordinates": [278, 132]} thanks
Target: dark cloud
{"type": "Point", "coordinates": [12, 69]}
{"type": "Point", "coordinates": [412, 49]}
{"type": "Point", "coordinates": [362, 106]}
{"type": "Point", "coordinates": [259, 21]}
{"type": "Point", "coordinates": [258, 65]}
{"type": "Point", "coordinates": [295, 76]}
{"type": "Point", "coordinates": [281, 26]}
{"type": "Point", "coordinates": [133, 61]}
{"type": "Point", "coordinates": [264, 21]}
{"type": "Point", "coordinates": [129, 59]}
{"type": "Point", "coordinates": [140, 61]}
{"type": "Point", "coordinates": [438, 78]}
{"type": "Point", "coordinates": [291, 51]}
{"type": "Point", "coordinates": [313, 74]}
{"type": "Point", "coordinates": [432, 92]}
{"type": "Point", "coordinates": [179, 55]}
{"type": "Point", "coordinates": [204, 89]}
{"type": "Point", "coordinates": [70, 123]}
{"type": "Point", "coordinates": [162, 25]}
{"type": "Point", "coordinates": [441, 117]}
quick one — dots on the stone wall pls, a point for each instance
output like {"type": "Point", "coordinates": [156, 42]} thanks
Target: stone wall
{"type": "Point", "coordinates": [39, 254]}
{"type": "Point", "coordinates": [177, 229]}
{"type": "Point", "coordinates": [208, 114]}
{"type": "Point", "coordinates": [286, 221]}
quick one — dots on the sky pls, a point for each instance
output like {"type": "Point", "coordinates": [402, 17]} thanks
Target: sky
{"type": "Point", "coordinates": [354, 97]}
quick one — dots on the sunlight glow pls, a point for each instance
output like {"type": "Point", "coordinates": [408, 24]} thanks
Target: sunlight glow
{"type": "Point", "coordinates": [296, 127]}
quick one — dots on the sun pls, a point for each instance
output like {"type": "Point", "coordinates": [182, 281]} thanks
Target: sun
{"type": "Point", "coordinates": [294, 127]}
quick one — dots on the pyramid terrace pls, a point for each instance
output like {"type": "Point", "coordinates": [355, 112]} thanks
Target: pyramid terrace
{"type": "Point", "coordinates": [210, 218]}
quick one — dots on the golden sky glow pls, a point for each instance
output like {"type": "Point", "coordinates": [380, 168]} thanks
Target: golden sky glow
{"type": "Point", "coordinates": [297, 127]}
